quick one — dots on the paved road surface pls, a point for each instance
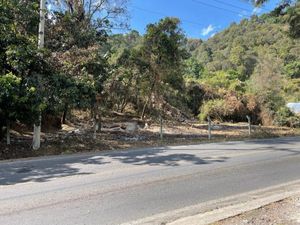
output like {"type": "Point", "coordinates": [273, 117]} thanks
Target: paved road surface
{"type": "Point", "coordinates": [121, 186]}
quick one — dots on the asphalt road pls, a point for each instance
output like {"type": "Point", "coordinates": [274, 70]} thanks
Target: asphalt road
{"type": "Point", "coordinates": [121, 186]}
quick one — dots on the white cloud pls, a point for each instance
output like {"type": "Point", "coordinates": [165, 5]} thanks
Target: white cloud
{"type": "Point", "coordinates": [49, 13]}
{"type": "Point", "coordinates": [243, 14]}
{"type": "Point", "coordinates": [212, 35]}
{"type": "Point", "coordinates": [256, 10]}
{"type": "Point", "coordinates": [206, 31]}
{"type": "Point", "coordinates": [49, 7]}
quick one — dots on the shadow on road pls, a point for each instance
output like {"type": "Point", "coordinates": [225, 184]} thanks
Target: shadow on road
{"type": "Point", "coordinates": [45, 170]}
{"type": "Point", "coordinates": [161, 158]}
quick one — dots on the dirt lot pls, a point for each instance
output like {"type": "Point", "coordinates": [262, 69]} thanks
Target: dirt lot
{"type": "Point", "coordinates": [78, 138]}
{"type": "Point", "coordinates": [286, 212]}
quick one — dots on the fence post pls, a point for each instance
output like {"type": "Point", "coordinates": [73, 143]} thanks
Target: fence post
{"type": "Point", "coordinates": [96, 128]}
{"type": "Point", "coordinates": [161, 127]}
{"type": "Point", "coordinates": [8, 132]}
{"type": "Point", "coordinates": [209, 127]}
{"type": "Point", "coordinates": [249, 124]}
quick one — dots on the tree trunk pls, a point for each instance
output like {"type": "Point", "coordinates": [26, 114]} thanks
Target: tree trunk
{"type": "Point", "coordinates": [123, 105]}
{"type": "Point", "coordinates": [64, 116]}
{"type": "Point", "coordinates": [1, 133]}
{"type": "Point", "coordinates": [144, 108]}
{"type": "Point", "coordinates": [146, 103]}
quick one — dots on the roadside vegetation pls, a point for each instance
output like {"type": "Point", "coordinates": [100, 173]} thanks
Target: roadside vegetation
{"type": "Point", "coordinates": [87, 75]}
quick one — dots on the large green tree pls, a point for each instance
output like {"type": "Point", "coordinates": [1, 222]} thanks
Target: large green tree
{"type": "Point", "coordinates": [163, 51]}
{"type": "Point", "coordinates": [77, 34]}
{"type": "Point", "coordinates": [20, 62]}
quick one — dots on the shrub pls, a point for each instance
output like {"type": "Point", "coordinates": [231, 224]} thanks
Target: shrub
{"type": "Point", "coordinates": [216, 109]}
{"type": "Point", "coordinates": [284, 117]}
{"type": "Point", "coordinates": [231, 108]}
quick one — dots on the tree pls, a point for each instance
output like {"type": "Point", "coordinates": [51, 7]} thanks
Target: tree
{"type": "Point", "coordinates": [125, 85]}
{"type": "Point", "coordinates": [20, 61]}
{"type": "Point", "coordinates": [293, 14]}
{"type": "Point", "coordinates": [163, 51]}
{"type": "Point", "coordinates": [101, 13]}
{"type": "Point", "coordinates": [266, 84]}
{"type": "Point", "coordinates": [74, 65]}
{"type": "Point", "coordinates": [293, 69]}
{"type": "Point", "coordinates": [77, 36]}
{"type": "Point", "coordinates": [194, 69]}
{"type": "Point", "coordinates": [9, 87]}
{"type": "Point", "coordinates": [84, 23]}
{"type": "Point", "coordinates": [293, 18]}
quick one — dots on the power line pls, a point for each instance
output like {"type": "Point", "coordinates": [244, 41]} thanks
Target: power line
{"type": "Point", "coordinates": [205, 4]}
{"type": "Point", "coordinates": [164, 15]}
{"type": "Point", "coordinates": [262, 6]}
{"type": "Point", "coordinates": [241, 8]}
{"type": "Point", "coordinates": [199, 2]}
{"type": "Point", "coordinates": [231, 5]}
{"type": "Point", "coordinates": [217, 7]}
{"type": "Point", "coordinates": [231, 11]}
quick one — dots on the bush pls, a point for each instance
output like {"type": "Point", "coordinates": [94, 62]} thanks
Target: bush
{"type": "Point", "coordinates": [231, 108]}
{"type": "Point", "coordinates": [194, 97]}
{"type": "Point", "coordinates": [215, 109]}
{"type": "Point", "coordinates": [285, 117]}
{"type": "Point", "coordinates": [293, 70]}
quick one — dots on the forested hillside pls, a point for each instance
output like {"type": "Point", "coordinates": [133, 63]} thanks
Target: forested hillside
{"type": "Point", "coordinates": [251, 68]}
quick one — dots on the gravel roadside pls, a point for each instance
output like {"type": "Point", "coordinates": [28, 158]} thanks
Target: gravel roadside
{"type": "Point", "coordinates": [285, 212]}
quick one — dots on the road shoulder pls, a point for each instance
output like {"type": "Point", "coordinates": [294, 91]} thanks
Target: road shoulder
{"type": "Point", "coordinates": [214, 211]}
{"type": "Point", "coordinates": [285, 212]}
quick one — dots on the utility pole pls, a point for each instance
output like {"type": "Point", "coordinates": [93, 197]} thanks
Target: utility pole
{"type": "Point", "coordinates": [36, 143]}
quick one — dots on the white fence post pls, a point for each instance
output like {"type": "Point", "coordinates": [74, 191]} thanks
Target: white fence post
{"type": "Point", "coordinates": [161, 127]}
{"type": "Point", "coordinates": [209, 127]}
{"type": "Point", "coordinates": [249, 124]}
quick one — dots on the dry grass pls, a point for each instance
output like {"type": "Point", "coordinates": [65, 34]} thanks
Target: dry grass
{"type": "Point", "coordinates": [72, 139]}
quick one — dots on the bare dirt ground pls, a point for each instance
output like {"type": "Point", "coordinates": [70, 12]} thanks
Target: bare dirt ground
{"type": "Point", "coordinates": [79, 138]}
{"type": "Point", "coordinates": [286, 212]}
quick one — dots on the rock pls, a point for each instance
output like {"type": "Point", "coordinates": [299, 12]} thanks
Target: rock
{"type": "Point", "coordinates": [77, 131]}
{"type": "Point", "coordinates": [216, 127]}
{"type": "Point", "coordinates": [131, 127]}
{"type": "Point", "coordinates": [146, 126]}
{"type": "Point", "coordinates": [137, 138]}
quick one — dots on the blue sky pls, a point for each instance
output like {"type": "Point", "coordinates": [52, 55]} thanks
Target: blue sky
{"type": "Point", "coordinates": [200, 18]}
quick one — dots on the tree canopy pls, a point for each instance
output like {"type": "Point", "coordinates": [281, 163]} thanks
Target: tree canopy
{"type": "Point", "coordinates": [251, 68]}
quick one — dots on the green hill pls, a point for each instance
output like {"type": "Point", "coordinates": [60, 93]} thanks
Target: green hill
{"type": "Point", "coordinates": [250, 68]}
